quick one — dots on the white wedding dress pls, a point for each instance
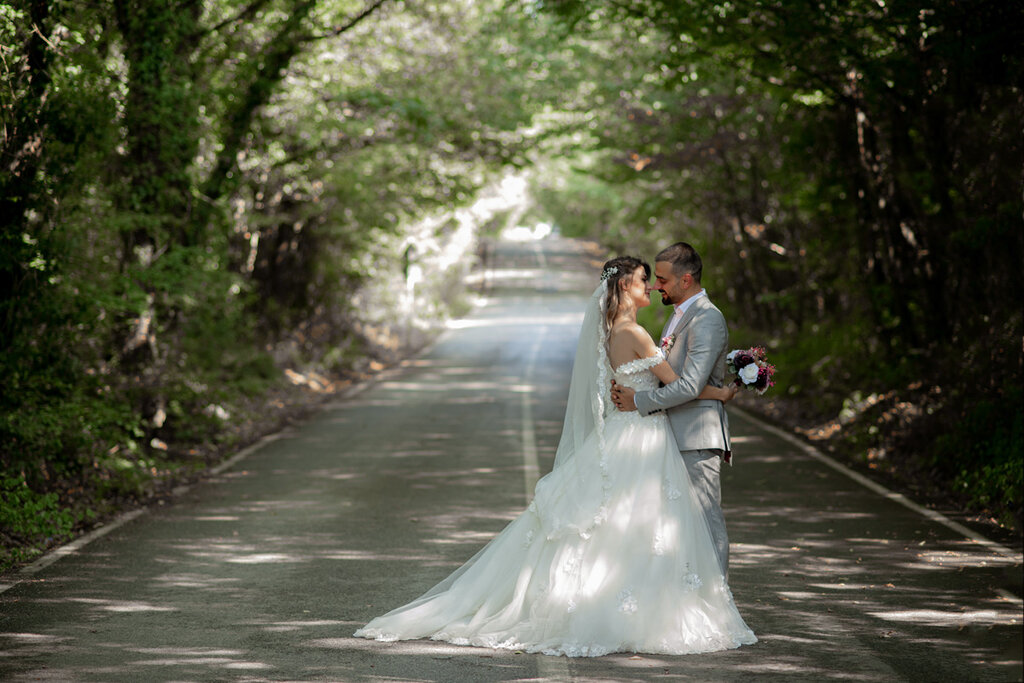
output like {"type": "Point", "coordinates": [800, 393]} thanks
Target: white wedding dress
{"type": "Point", "coordinates": [612, 555]}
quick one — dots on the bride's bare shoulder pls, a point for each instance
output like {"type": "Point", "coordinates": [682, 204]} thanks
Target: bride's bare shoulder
{"type": "Point", "coordinates": [628, 341]}
{"type": "Point", "coordinates": [629, 331]}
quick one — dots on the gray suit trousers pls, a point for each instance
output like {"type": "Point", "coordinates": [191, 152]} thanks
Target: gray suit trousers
{"type": "Point", "coordinates": [704, 466]}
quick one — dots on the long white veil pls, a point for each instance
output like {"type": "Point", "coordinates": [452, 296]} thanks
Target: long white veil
{"type": "Point", "coordinates": [591, 380]}
{"type": "Point", "coordinates": [584, 415]}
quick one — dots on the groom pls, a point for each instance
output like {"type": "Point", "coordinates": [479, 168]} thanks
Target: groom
{"type": "Point", "coordinates": [695, 340]}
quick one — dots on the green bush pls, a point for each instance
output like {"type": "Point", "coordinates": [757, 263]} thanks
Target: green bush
{"type": "Point", "coordinates": [984, 454]}
{"type": "Point", "coordinates": [31, 520]}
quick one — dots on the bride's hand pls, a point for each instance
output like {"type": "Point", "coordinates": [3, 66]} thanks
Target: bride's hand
{"type": "Point", "coordinates": [622, 397]}
{"type": "Point", "coordinates": [723, 394]}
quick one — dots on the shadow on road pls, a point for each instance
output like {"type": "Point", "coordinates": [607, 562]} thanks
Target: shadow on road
{"type": "Point", "coordinates": [263, 573]}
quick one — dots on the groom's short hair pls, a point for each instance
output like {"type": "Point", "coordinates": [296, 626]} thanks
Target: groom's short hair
{"type": "Point", "coordinates": [684, 259]}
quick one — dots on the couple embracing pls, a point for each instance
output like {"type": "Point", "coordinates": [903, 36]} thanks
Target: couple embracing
{"type": "Point", "coordinates": [623, 547]}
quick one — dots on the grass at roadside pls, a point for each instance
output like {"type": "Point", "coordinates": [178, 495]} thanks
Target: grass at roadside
{"type": "Point", "coordinates": [77, 458]}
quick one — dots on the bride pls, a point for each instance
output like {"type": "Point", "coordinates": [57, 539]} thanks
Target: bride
{"type": "Point", "coordinates": [613, 554]}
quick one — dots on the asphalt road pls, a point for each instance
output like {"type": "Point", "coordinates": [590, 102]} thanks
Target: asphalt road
{"type": "Point", "coordinates": [262, 572]}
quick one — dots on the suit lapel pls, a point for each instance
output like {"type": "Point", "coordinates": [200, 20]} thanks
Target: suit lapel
{"type": "Point", "coordinates": [688, 316]}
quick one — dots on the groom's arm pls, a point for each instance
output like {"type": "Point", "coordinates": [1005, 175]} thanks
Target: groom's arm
{"type": "Point", "coordinates": [704, 346]}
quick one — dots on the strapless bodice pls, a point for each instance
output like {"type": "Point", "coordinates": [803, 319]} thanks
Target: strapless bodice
{"type": "Point", "coordinates": [636, 374]}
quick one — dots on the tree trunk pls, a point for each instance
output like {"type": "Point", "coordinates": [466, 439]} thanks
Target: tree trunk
{"type": "Point", "coordinates": [162, 124]}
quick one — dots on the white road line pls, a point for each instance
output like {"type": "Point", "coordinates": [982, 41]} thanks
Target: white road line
{"type": "Point", "coordinates": [542, 259]}
{"type": "Point", "coordinates": [548, 667]}
{"type": "Point", "coordinates": [74, 546]}
{"type": "Point", "coordinates": [69, 548]}
{"type": "Point", "coordinates": [531, 466]}
{"type": "Point", "coordinates": [932, 515]}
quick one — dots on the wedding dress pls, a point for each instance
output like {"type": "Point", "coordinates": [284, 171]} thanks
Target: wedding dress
{"type": "Point", "coordinates": [612, 555]}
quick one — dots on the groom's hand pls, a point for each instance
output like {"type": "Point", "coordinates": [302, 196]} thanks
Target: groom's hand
{"type": "Point", "coordinates": [622, 397]}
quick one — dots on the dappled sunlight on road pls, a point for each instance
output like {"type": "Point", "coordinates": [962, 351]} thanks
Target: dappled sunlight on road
{"type": "Point", "coordinates": [264, 573]}
{"type": "Point", "coordinates": [475, 537]}
{"type": "Point", "coordinates": [485, 387]}
{"type": "Point", "coordinates": [850, 562]}
{"type": "Point", "coordinates": [950, 617]}
{"type": "Point", "coordinates": [187, 657]}
{"type": "Point", "coordinates": [571, 320]}
{"type": "Point", "coordinates": [195, 581]}
{"type": "Point", "coordinates": [286, 626]}
{"type": "Point", "coordinates": [122, 606]}
{"type": "Point", "coordinates": [968, 554]}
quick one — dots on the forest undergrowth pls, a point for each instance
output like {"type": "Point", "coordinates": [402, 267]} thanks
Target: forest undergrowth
{"type": "Point", "coordinates": [210, 417]}
{"type": "Point", "coordinates": [947, 440]}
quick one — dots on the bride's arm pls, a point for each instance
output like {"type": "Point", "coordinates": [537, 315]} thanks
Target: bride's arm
{"type": "Point", "coordinates": [723, 394]}
{"type": "Point", "coordinates": [643, 347]}
{"type": "Point", "coordinates": [664, 372]}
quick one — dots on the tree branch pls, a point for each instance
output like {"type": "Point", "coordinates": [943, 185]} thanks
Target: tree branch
{"type": "Point", "coordinates": [246, 11]}
{"type": "Point", "coordinates": [373, 7]}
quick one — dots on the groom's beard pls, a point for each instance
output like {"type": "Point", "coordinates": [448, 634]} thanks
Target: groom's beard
{"type": "Point", "coordinates": [664, 299]}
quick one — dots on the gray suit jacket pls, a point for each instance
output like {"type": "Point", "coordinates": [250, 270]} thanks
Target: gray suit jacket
{"type": "Point", "coordinates": [698, 357]}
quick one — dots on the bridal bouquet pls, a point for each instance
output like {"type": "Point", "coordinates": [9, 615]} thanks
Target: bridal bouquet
{"type": "Point", "coordinates": [751, 368]}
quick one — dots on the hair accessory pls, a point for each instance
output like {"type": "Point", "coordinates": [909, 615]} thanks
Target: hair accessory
{"type": "Point", "coordinates": [608, 273]}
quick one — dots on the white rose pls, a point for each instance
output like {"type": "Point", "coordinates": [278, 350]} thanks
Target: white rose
{"type": "Point", "coordinates": [749, 373]}
{"type": "Point", "coordinates": [732, 354]}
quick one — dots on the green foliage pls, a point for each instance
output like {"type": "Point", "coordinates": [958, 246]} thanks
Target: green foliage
{"type": "Point", "coordinates": [196, 195]}
{"type": "Point", "coordinates": [30, 518]}
{"type": "Point", "coordinates": [582, 205]}
{"type": "Point", "coordinates": [984, 454]}
{"type": "Point", "coordinates": [849, 174]}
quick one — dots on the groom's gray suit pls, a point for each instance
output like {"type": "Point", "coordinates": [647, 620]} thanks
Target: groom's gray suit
{"type": "Point", "coordinates": [701, 427]}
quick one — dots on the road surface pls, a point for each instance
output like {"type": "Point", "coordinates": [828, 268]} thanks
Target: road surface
{"type": "Point", "coordinates": [262, 572]}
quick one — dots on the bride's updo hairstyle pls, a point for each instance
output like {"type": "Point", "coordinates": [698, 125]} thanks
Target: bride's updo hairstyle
{"type": "Point", "coordinates": [619, 269]}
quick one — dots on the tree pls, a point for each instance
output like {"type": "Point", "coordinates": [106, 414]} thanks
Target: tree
{"type": "Point", "coordinates": [855, 170]}
{"type": "Point", "coordinates": [895, 98]}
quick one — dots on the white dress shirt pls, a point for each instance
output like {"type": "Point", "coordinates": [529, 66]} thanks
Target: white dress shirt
{"type": "Point", "coordinates": [681, 309]}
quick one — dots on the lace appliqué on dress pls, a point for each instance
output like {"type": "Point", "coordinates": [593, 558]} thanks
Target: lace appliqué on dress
{"type": "Point", "coordinates": [658, 547]}
{"type": "Point", "coordinates": [692, 582]}
{"type": "Point", "coordinates": [627, 603]}
{"type": "Point", "coordinates": [636, 374]}
{"type": "Point", "coordinates": [638, 365]}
